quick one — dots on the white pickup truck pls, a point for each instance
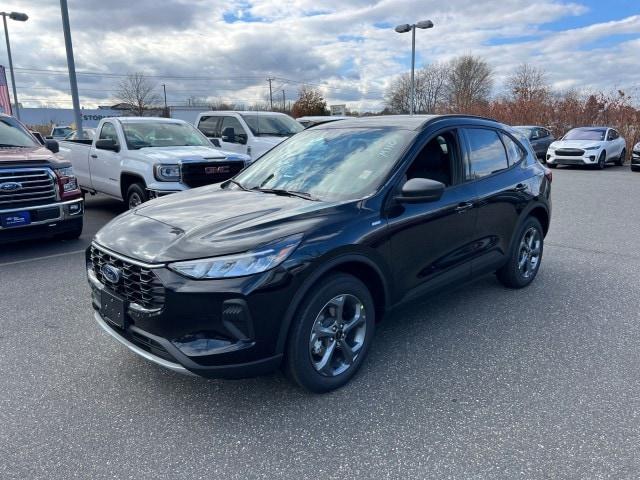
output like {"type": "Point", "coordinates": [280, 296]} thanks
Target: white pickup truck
{"type": "Point", "coordinates": [250, 132]}
{"type": "Point", "coordinates": [137, 158]}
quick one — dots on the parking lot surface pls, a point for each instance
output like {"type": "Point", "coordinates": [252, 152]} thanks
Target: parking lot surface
{"type": "Point", "coordinates": [477, 382]}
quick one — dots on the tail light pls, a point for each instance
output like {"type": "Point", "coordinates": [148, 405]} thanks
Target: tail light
{"type": "Point", "coordinates": [67, 183]}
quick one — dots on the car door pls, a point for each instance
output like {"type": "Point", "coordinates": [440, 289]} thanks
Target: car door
{"type": "Point", "coordinates": [503, 187]}
{"type": "Point", "coordinates": [432, 243]}
{"type": "Point", "coordinates": [236, 142]}
{"type": "Point", "coordinates": [105, 164]}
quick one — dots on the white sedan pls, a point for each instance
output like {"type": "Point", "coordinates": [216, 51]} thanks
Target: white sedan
{"type": "Point", "coordinates": [588, 146]}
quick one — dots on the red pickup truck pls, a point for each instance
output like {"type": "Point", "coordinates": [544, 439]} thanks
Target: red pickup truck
{"type": "Point", "coordinates": [39, 194]}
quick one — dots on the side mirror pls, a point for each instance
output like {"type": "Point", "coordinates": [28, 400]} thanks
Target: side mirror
{"type": "Point", "coordinates": [107, 144]}
{"type": "Point", "coordinates": [52, 145]}
{"type": "Point", "coordinates": [418, 190]}
{"type": "Point", "coordinates": [229, 135]}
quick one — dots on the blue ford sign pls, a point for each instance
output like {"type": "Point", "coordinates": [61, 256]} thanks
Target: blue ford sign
{"type": "Point", "coordinates": [10, 186]}
{"type": "Point", "coordinates": [110, 273]}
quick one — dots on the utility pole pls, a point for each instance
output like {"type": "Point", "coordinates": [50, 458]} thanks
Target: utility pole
{"type": "Point", "coordinates": [270, 92]}
{"type": "Point", "coordinates": [21, 17]}
{"type": "Point", "coordinates": [166, 110]}
{"type": "Point", "coordinates": [71, 65]}
{"type": "Point", "coordinates": [284, 102]}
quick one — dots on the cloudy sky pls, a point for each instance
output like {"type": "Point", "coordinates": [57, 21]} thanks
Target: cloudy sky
{"type": "Point", "coordinates": [226, 49]}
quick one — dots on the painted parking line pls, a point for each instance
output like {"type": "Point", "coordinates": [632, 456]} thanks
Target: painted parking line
{"type": "Point", "coordinates": [36, 259]}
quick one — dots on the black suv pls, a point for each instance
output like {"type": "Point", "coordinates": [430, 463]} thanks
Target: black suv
{"type": "Point", "coordinates": [293, 261]}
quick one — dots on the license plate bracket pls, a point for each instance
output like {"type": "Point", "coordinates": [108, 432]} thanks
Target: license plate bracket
{"type": "Point", "coordinates": [15, 219]}
{"type": "Point", "coordinates": [113, 309]}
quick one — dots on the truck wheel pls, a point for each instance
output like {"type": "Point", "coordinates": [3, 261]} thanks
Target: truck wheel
{"type": "Point", "coordinates": [136, 195]}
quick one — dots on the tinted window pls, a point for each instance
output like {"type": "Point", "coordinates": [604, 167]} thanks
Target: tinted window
{"type": "Point", "coordinates": [108, 132]}
{"type": "Point", "coordinates": [487, 154]}
{"type": "Point", "coordinates": [210, 126]}
{"type": "Point", "coordinates": [514, 152]}
{"type": "Point", "coordinates": [435, 159]}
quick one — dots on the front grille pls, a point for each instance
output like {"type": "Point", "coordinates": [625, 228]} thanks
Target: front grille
{"type": "Point", "coordinates": [36, 187]}
{"type": "Point", "coordinates": [138, 284]}
{"type": "Point", "coordinates": [206, 173]}
{"type": "Point", "coordinates": [569, 152]}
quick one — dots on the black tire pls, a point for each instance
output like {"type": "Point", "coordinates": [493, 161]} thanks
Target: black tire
{"type": "Point", "coordinates": [622, 158]}
{"type": "Point", "coordinates": [635, 168]}
{"type": "Point", "coordinates": [602, 160]}
{"type": "Point", "coordinates": [552, 165]}
{"type": "Point", "coordinates": [511, 274]}
{"type": "Point", "coordinates": [72, 234]}
{"type": "Point", "coordinates": [136, 195]}
{"type": "Point", "coordinates": [301, 347]}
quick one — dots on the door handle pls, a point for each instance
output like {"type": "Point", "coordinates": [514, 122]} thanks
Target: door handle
{"type": "Point", "coordinates": [463, 207]}
{"type": "Point", "coordinates": [521, 187]}
{"type": "Point", "coordinates": [93, 155]}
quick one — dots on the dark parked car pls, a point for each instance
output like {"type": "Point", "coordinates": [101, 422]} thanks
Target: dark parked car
{"type": "Point", "coordinates": [635, 158]}
{"type": "Point", "coordinates": [539, 137]}
{"type": "Point", "coordinates": [293, 261]}
{"type": "Point", "coordinates": [39, 194]}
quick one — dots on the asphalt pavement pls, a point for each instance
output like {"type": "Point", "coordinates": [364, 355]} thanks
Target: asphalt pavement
{"type": "Point", "coordinates": [478, 382]}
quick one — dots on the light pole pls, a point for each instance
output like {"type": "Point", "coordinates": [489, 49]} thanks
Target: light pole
{"type": "Point", "coordinates": [71, 65]}
{"type": "Point", "coordinates": [20, 17]}
{"type": "Point", "coordinates": [166, 110]}
{"type": "Point", "coordinates": [404, 28]}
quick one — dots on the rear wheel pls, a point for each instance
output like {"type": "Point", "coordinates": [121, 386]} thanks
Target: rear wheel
{"type": "Point", "coordinates": [331, 334]}
{"type": "Point", "coordinates": [602, 161]}
{"type": "Point", "coordinates": [526, 255]}
{"type": "Point", "coordinates": [136, 195]}
{"type": "Point", "coordinates": [623, 156]}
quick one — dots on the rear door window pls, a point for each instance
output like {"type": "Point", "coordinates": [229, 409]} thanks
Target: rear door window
{"type": "Point", "coordinates": [487, 154]}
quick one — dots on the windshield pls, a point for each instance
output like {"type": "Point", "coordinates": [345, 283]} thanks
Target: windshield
{"type": "Point", "coordinates": [162, 134]}
{"type": "Point", "coordinates": [61, 131]}
{"type": "Point", "coordinates": [596, 134]}
{"type": "Point", "coordinates": [332, 164]}
{"type": "Point", "coordinates": [13, 134]}
{"type": "Point", "coordinates": [272, 125]}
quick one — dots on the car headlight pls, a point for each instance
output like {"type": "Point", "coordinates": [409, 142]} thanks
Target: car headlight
{"type": "Point", "coordinates": [239, 265]}
{"type": "Point", "coordinates": [592, 148]}
{"type": "Point", "coordinates": [167, 173]}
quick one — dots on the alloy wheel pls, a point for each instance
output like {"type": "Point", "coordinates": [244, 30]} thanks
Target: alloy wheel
{"type": "Point", "coordinates": [134, 200]}
{"type": "Point", "coordinates": [529, 252]}
{"type": "Point", "coordinates": [337, 335]}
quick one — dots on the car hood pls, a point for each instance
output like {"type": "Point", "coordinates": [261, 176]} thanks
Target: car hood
{"type": "Point", "coordinates": [191, 153]}
{"type": "Point", "coordinates": [210, 221]}
{"type": "Point", "coordinates": [576, 144]}
{"type": "Point", "coordinates": [26, 156]}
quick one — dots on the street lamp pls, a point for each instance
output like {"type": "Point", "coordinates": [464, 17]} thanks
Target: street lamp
{"type": "Point", "coordinates": [19, 17]}
{"type": "Point", "coordinates": [404, 28]}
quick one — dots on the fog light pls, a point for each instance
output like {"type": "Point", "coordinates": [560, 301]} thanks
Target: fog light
{"type": "Point", "coordinates": [592, 158]}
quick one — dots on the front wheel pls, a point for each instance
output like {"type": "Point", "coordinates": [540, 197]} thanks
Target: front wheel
{"type": "Point", "coordinates": [525, 257]}
{"type": "Point", "coordinates": [602, 161]}
{"type": "Point", "coordinates": [331, 334]}
{"type": "Point", "coordinates": [136, 195]}
{"type": "Point", "coordinates": [622, 158]}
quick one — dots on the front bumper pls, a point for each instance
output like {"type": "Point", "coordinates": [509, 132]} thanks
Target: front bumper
{"type": "Point", "coordinates": [213, 328]}
{"type": "Point", "coordinates": [46, 220]}
{"type": "Point", "coordinates": [589, 158]}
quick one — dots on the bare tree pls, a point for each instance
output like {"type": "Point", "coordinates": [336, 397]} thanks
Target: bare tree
{"type": "Point", "coordinates": [138, 92]}
{"type": "Point", "coordinates": [469, 83]}
{"type": "Point", "coordinates": [528, 83]}
{"type": "Point", "coordinates": [430, 83]}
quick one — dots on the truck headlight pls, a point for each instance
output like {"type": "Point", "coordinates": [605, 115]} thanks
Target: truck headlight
{"type": "Point", "coordinates": [239, 265]}
{"type": "Point", "coordinates": [67, 181]}
{"type": "Point", "coordinates": [167, 173]}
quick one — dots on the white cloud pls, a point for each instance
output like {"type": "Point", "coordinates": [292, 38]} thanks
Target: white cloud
{"type": "Point", "coordinates": [335, 44]}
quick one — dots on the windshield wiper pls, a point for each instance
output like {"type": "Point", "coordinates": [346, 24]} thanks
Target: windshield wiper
{"type": "Point", "coordinates": [288, 193]}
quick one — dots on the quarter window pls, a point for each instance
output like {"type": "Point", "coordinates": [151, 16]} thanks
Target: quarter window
{"type": "Point", "coordinates": [487, 154]}
{"type": "Point", "coordinates": [514, 152]}
{"type": "Point", "coordinates": [210, 126]}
